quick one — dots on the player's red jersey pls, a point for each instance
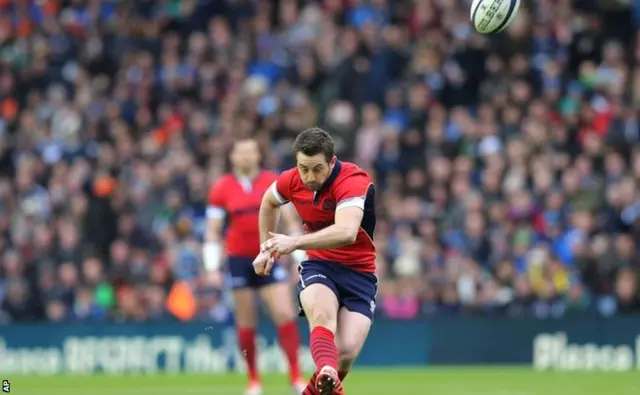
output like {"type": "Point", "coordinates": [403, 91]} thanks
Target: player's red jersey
{"type": "Point", "coordinates": [347, 186]}
{"type": "Point", "coordinates": [239, 200]}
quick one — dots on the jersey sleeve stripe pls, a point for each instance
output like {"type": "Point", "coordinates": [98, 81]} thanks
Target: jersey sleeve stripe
{"type": "Point", "coordinates": [277, 195]}
{"type": "Point", "coordinates": [215, 212]}
{"type": "Point", "coordinates": [357, 201]}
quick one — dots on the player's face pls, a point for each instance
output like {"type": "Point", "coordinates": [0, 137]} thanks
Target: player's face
{"type": "Point", "coordinates": [245, 156]}
{"type": "Point", "coordinates": [314, 170]}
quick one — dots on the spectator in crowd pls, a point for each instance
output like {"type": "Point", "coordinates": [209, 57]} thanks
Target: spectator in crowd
{"type": "Point", "coordinates": [508, 166]}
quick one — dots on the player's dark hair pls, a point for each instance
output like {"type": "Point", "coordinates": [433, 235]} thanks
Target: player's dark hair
{"type": "Point", "coordinates": [239, 140]}
{"type": "Point", "coordinates": [314, 141]}
{"type": "Point", "coordinates": [233, 145]}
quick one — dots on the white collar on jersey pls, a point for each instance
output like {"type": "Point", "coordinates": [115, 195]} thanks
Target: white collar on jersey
{"type": "Point", "coordinates": [246, 182]}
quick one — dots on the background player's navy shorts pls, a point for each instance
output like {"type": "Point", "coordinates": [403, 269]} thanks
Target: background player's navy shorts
{"type": "Point", "coordinates": [355, 290]}
{"type": "Point", "coordinates": [240, 269]}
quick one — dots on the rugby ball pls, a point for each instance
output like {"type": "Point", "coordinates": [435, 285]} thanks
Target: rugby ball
{"type": "Point", "coordinates": [492, 16]}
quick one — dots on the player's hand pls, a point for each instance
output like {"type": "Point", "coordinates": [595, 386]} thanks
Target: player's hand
{"type": "Point", "coordinates": [263, 263]}
{"type": "Point", "coordinates": [280, 244]}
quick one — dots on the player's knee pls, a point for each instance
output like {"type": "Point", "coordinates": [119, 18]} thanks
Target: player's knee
{"type": "Point", "coordinates": [246, 320]}
{"type": "Point", "coordinates": [245, 312]}
{"type": "Point", "coordinates": [278, 301]}
{"type": "Point", "coordinates": [348, 352]}
{"type": "Point", "coordinates": [320, 317]}
{"type": "Point", "coordinates": [281, 316]}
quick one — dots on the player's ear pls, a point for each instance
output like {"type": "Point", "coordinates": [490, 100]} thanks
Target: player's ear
{"type": "Point", "coordinates": [333, 161]}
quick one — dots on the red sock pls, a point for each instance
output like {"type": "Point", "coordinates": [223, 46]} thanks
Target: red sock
{"type": "Point", "coordinates": [342, 374]}
{"type": "Point", "coordinates": [311, 387]}
{"type": "Point", "coordinates": [289, 339]}
{"type": "Point", "coordinates": [247, 342]}
{"type": "Point", "coordinates": [323, 348]}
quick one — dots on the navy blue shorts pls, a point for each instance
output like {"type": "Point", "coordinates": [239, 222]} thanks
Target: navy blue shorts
{"type": "Point", "coordinates": [240, 269]}
{"type": "Point", "coordinates": [355, 290]}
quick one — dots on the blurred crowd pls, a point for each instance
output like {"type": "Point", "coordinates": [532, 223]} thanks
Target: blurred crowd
{"type": "Point", "coordinates": [507, 166]}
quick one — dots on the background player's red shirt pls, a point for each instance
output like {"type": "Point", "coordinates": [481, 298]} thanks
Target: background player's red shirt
{"type": "Point", "coordinates": [347, 186]}
{"type": "Point", "coordinates": [239, 200]}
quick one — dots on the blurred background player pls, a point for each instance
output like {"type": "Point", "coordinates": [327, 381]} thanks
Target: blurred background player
{"type": "Point", "coordinates": [236, 197]}
{"type": "Point", "coordinates": [338, 285]}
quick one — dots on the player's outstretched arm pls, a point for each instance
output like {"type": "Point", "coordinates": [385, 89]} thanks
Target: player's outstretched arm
{"type": "Point", "coordinates": [343, 232]}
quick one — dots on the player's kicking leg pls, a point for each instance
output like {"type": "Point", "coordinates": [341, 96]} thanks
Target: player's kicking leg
{"type": "Point", "coordinates": [246, 322]}
{"type": "Point", "coordinates": [320, 305]}
{"type": "Point", "coordinates": [277, 297]}
{"type": "Point", "coordinates": [352, 331]}
{"type": "Point", "coordinates": [353, 320]}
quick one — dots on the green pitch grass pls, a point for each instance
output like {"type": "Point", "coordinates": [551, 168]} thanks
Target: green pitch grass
{"type": "Point", "coordinates": [432, 381]}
